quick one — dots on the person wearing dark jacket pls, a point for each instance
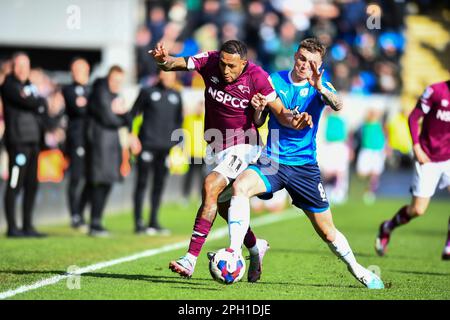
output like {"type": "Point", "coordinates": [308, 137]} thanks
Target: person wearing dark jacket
{"type": "Point", "coordinates": [23, 111]}
{"type": "Point", "coordinates": [54, 121]}
{"type": "Point", "coordinates": [76, 98]}
{"type": "Point", "coordinates": [161, 107]}
{"type": "Point", "coordinates": [106, 114]}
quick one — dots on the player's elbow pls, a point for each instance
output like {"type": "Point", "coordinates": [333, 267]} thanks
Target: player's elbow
{"type": "Point", "coordinates": [327, 233]}
{"type": "Point", "coordinates": [413, 118]}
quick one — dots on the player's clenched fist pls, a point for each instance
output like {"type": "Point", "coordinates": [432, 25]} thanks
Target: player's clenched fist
{"type": "Point", "coordinates": [301, 120]}
{"type": "Point", "coordinates": [259, 101]}
{"type": "Point", "coordinates": [159, 53]}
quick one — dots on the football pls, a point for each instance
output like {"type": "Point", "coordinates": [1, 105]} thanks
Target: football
{"type": "Point", "coordinates": [227, 266]}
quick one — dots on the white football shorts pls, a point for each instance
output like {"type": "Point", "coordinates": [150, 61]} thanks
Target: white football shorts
{"type": "Point", "coordinates": [428, 176]}
{"type": "Point", "coordinates": [370, 162]}
{"type": "Point", "coordinates": [334, 157]}
{"type": "Point", "coordinates": [230, 163]}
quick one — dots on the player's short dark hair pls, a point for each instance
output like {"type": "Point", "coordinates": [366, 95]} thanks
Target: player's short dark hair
{"type": "Point", "coordinates": [115, 68]}
{"type": "Point", "coordinates": [313, 45]}
{"type": "Point", "coordinates": [233, 47]}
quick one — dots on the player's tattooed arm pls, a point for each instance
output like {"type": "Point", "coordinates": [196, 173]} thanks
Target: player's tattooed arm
{"type": "Point", "coordinates": [174, 64]}
{"type": "Point", "coordinates": [331, 99]}
{"type": "Point", "coordinates": [166, 62]}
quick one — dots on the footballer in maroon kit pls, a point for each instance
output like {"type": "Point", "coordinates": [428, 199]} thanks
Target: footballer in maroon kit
{"type": "Point", "coordinates": [432, 166]}
{"type": "Point", "coordinates": [231, 125]}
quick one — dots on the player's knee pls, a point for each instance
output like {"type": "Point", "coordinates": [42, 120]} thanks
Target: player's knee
{"type": "Point", "coordinates": [418, 210]}
{"type": "Point", "coordinates": [240, 189]}
{"type": "Point", "coordinates": [329, 234]}
{"type": "Point", "coordinates": [210, 187]}
{"type": "Point", "coordinates": [326, 231]}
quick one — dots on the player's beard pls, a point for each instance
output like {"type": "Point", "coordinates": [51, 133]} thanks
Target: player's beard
{"type": "Point", "coordinates": [228, 79]}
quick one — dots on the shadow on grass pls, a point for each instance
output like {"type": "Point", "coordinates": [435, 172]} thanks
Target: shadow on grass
{"type": "Point", "coordinates": [199, 283]}
{"type": "Point", "coordinates": [191, 284]}
{"type": "Point", "coordinates": [298, 251]}
{"type": "Point", "coordinates": [428, 233]}
{"type": "Point", "coordinates": [443, 274]}
{"type": "Point", "coordinates": [316, 285]}
{"type": "Point", "coordinates": [328, 253]}
{"type": "Point", "coordinates": [23, 272]}
{"type": "Point", "coordinates": [198, 288]}
{"type": "Point", "coordinates": [150, 278]}
{"type": "Point", "coordinates": [134, 277]}
{"type": "Point", "coordinates": [322, 252]}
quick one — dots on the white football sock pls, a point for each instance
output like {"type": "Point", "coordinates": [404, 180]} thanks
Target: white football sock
{"type": "Point", "coordinates": [238, 221]}
{"type": "Point", "coordinates": [191, 258]}
{"type": "Point", "coordinates": [254, 250]}
{"type": "Point", "coordinates": [341, 248]}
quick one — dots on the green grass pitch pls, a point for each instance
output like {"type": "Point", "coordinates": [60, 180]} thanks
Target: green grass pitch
{"type": "Point", "coordinates": [298, 265]}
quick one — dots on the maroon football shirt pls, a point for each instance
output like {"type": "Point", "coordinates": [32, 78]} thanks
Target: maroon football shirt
{"type": "Point", "coordinates": [228, 110]}
{"type": "Point", "coordinates": [434, 107]}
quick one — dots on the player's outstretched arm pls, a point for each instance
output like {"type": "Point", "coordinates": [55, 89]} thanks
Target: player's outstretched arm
{"type": "Point", "coordinates": [166, 62]}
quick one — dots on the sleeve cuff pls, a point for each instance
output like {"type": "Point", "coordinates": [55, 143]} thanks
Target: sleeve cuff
{"type": "Point", "coordinates": [190, 64]}
{"type": "Point", "coordinates": [425, 108]}
{"type": "Point", "coordinates": [271, 96]}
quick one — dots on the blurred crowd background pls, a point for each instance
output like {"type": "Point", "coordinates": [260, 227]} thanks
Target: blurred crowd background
{"type": "Point", "coordinates": [381, 56]}
{"type": "Point", "coordinates": [359, 61]}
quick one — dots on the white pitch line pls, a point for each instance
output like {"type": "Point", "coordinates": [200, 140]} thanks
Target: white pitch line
{"type": "Point", "coordinates": [220, 233]}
